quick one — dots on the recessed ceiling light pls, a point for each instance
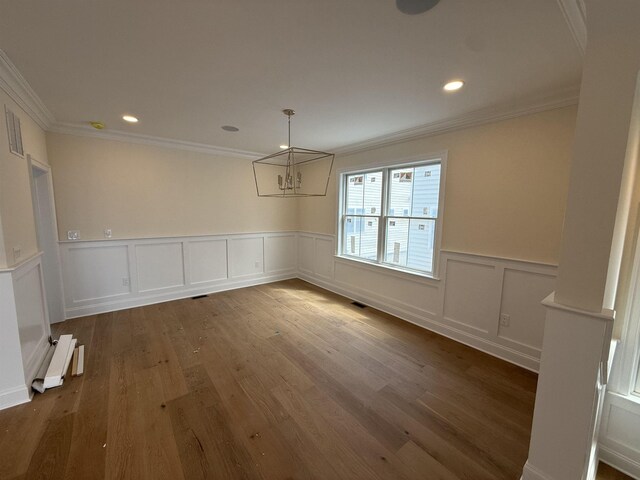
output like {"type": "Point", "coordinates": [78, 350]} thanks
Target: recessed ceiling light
{"type": "Point", "coordinates": [284, 146]}
{"type": "Point", "coordinates": [230, 128]}
{"type": "Point", "coordinates": [453, 85]}
{"type": "Point", "coordinates": [97, 125]}
{"type": "Point", "coordinates": [414, 7]}
{"type": "Point", "coordinates": [130, 118]}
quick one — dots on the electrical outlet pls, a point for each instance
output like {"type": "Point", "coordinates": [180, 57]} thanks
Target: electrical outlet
{"type": "Point", "coordinates": [125, 282]}
{"type": "Point", "coordinates": [73, 235]}
{"type": "Point", "coordinates": [107, 233]}
{"type": "Point", "coordinates": [505, 319]}
{"type": "Point", "coordinates": [17, 251]}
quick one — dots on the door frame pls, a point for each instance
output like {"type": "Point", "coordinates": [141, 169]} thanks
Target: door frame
{"type": "Point", "coordinates": [57, 285]}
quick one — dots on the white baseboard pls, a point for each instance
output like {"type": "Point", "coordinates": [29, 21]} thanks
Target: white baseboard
{"type": "Point", "coordinates": [430, 323]}
{"type": "Point", "coordinates": [532, 473]}
{"type": "Point", "coordinates": [14, 396]}
{"type": "Point", "coordinates": [141, 301]}
{"type": "Point", "coordinates": [619, 461]}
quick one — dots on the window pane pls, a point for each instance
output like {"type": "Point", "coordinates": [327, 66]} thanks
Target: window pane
{"type": "Point", "coordinates": [364, 194]}
{"type": "Point", "coordinates": [361, 237]}
{"type": "Point", "coordinates": [355, 195]}
{"type": "Point", "coordinates": [397, 241]}
{"type": "Point", "coordinates": [373, 193]}
{"type": "Point", "coordinates": [401, 186]}
{"type": "Point", "coordinates": [410, 243]}
{"type": "Point", "coordinates": [426, 190]}
{"type": "Point", "coordinates": [414, 191]}
{"type": "Point", "coordinates": [421, 244]}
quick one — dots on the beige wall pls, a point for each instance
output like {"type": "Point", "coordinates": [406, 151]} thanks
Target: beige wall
{"type": "Point", "coordinates": [16, 207]}
{"type": "Point", "coordinates": [146, 191]}
{"type": "Point", "coordinates": [505, 191]}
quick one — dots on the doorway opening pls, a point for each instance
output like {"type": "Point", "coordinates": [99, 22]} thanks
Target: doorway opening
{"type": "Point", "coordinates": [47, 235]}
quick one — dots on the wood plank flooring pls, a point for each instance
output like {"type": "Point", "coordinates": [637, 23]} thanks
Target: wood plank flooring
{"type": "Point", "coordinates": [279, 381]}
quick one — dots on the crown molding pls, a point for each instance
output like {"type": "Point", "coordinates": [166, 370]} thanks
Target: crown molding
{"type": "Point", "coordinates": [575, 14]}
{"type": "Point", "coordinates": [563, 98]}
{"type": "Point", "coordinates": [15, 85]}
{"type": "Point", "coordinates": [119, 136]}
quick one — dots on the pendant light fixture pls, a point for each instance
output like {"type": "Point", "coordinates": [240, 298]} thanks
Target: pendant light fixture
{"type": "Point", "coordinates": [293, 171]}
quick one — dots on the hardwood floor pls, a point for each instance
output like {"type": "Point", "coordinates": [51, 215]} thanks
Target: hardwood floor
{"type": "Point", "coordinates": [280, 381]}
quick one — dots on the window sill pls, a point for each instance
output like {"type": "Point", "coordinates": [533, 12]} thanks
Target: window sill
{"type": "Point", "coordinates": [410, 275]}
{"type": "Point", "coordinates": [630, 402]}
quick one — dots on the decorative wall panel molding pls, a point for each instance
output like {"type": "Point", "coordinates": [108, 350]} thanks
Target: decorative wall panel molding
{"type": "Point", "coordinates": [619, 439]}
{"type": "Point", "coordinates": [103, 276]}
{"type": "Point", "coordinates": [465, 304]}
{"type": "Point", "coordinates": [24, 323]}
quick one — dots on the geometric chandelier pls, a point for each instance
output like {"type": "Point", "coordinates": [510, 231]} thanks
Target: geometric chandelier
{"type": "Point", "coordinates": [294, 171]}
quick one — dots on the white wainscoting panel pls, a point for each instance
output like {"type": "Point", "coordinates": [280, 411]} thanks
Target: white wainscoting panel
{"type": "Point", "coordinates": [306, 253]}
{"type": "Point", "coordinates": [154, 275]}
{"type": "Point", "coordinates": [520, 290]}
{"type": "Point", "coordinates": [24, 323]}
{"type": "Point", "coordinates": [280, 253]}
{"type": "Point", "coordinates": [95, 271]}
{"type": "Point", "coordinates": [32, 313]}
{"type": "Point", "coordinates": [246, 256]}
{"type": "Point", "coordinates": [102, 276]}
{"type": "Point", "coordinates": [207, 261]}
{"type": "Point", "coordinates": [468, 292]}
{"type": "Point", "coordinates": [416, 295]}
{"type": "Point", "coordinates": [619, 439]}
{"type": "Point", "coordinates": [324, 251]}
{"type": "Point", "coordinates": [465, 304]}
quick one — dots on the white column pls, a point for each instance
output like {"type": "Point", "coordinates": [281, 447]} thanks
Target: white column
{"type": "Point", "coordinates": [573, 371]}
{"type": "Point", "coordinates": [579, 322]}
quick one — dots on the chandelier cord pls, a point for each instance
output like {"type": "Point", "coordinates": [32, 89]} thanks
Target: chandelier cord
{"type": "Point", "coordinates": [289, 183]}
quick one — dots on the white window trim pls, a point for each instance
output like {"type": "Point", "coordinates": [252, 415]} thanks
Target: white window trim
{"type": "Point", "coordinates": [626, 379]}
{"type": "Point", "coordinates": [437, 157]}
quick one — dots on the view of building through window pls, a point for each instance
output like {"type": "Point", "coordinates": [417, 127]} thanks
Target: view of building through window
{"type": "Point", "coordinates": [397, 205]}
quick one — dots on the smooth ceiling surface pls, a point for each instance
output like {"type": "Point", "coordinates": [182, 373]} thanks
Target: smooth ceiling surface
{"type": "Point", "coordinates": [353, 69]}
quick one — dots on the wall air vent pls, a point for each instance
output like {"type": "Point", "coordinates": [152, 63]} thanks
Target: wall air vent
{"type": "Point", "coordinates": [15, 134]}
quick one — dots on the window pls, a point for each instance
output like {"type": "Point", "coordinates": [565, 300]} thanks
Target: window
{"type": "Point", "coordinates": [390, 215]}
{"type": "Point", "coordinates": [15, 134]}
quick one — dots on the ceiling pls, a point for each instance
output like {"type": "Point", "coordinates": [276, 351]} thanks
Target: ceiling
{"type": "Point", "coordinates": [353, 70]}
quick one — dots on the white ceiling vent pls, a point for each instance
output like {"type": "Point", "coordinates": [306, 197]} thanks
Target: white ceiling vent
{"type": "Point", "coordinates": [15, 134]}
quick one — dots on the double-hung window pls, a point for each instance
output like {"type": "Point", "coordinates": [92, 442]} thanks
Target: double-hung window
{"type": "Point", "coordinates": [391, 215]}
